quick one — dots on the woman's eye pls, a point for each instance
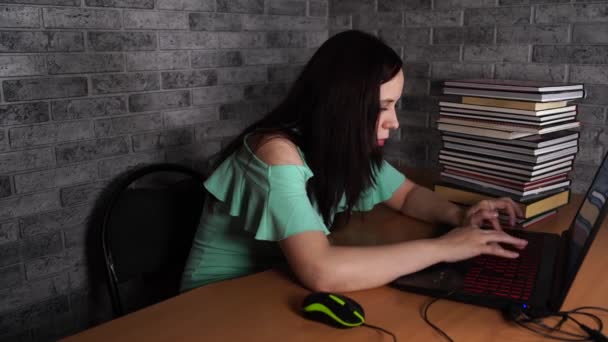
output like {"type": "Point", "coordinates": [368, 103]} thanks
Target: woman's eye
{"type": "Point", "coordinates": [383, 109]}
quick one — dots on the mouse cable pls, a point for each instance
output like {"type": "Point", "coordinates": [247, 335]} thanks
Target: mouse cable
{"type": "Point", "coordinates": [425, 316]}
{"type": "Point", "coordinates": [381, 329]}
{"type": "Point", "coordinates": [539, 327]}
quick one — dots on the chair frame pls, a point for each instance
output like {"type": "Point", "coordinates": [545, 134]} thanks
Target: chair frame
{"type": "Point", "coordinates": [120, 187]}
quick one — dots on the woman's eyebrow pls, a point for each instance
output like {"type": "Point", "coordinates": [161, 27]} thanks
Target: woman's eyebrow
{"type": "Point", "coordinates": [387, 101]}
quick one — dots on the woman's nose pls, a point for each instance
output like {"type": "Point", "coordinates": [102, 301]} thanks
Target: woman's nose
{"type": "Point", "coordinates": [390, 124]}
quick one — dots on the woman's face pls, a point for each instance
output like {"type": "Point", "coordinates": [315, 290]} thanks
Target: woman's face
{"type": "Point", "coordinates": [390, 93]}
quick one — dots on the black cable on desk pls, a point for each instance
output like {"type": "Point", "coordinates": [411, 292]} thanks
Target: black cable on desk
{"type": "Point", "coordinates": [381, 329]}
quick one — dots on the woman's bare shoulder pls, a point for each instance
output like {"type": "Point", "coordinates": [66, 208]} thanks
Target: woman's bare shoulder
{"type": "Point", "coordinates": [276, 149]}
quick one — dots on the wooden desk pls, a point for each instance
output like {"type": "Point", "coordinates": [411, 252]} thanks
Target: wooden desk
{"type": "Point", "coordinates": [265, 306]}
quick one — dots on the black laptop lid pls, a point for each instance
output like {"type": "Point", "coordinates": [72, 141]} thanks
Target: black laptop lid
{"type": "Point", "coordinates": [582, 231]}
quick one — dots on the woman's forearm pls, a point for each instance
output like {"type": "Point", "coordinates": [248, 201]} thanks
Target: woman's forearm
{"type": "Point", "coordinates": [426, 205]}
{"type": "Point", "coordinates": [357, 268]}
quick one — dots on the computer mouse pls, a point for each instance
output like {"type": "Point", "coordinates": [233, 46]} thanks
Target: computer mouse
{"type": "Point", "coordinates": [333, 309]}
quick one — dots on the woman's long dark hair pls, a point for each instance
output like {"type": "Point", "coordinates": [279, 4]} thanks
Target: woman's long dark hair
{"type": "Point", "coordinates": [331, 113]}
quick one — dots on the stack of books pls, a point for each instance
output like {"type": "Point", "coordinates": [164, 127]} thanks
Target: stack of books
{"type": "Point", "coordinates": [514, 139]}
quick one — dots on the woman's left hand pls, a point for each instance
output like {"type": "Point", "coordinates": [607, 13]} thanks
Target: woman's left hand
{"type": "Point", "coordinates": [487, 210]}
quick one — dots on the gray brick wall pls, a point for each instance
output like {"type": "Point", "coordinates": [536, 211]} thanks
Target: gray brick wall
{"type": "Point", "coordinates": [558, 41]}
{"type": "Point", "coordinates": [91, 88]}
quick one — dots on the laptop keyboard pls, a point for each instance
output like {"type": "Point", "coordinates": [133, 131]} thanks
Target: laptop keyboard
{"type": "Point", "coordinates": [502, 277]}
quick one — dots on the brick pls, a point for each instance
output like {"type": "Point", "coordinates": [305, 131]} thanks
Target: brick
{"type": "Point", "coordinates": [128, 124]}
{"type": "Point", "coordinates": [433, 18]}
{"type": "Point", "coordinates": [33, 292]}
{"type": "Point", "coordinates": [219, 94]}
{"type": "Point", "coordinates": [54, 220]}
{"type": "Point", "coordinates": [237, 40]}
{"type": "Point", "coordinates": [92, 149]}
{"type": "Point", "coordinates": [588, 74]}
{"type": "Point", "coordinates": [24, 113]}
{"type": "Point", "coordinates": [339, 7]}
{"type": "Point", "coordinates": [269, 23]}
{"type": "Point", "coordinates": [195, 156]}
{"type": "Point", "coordinates": [589, 154]}
{"type": "Point", "coordinates": [283, 73]}
{"type": "Point", "coordinates": [596, 94]}
{"type": "Point", "coordinates": [464, 3]}
{"type": "Point", "coordinates": [81, 18]}
{"type": "Point", "coordinates": [338, 23]}
{"type": "Point", "coordinates": [241, 75]}
{"type": "Point", "coordinates": [10, 253]}
{"type": "Point", "coordinates": [299, 56]}
{"type": "Point", "coordinates": [112, 167]}
{"type": "Point", "coordinates": [75, 237]}
{"type": "Point", "coordinates": [499, 53]}
{"type": "Point", "coordinates": [568, 13]}
{"type": "Point", "coordinates": [69, 258]}
{"type": "Point", "coordinates": [591, 115]}
{"type": "Point", "coordinates": [191, 116]}
{"type": "Point", "coordinates": [121, 41]}
{"type": "Point", "coordinates": [400, 5]}
{"type": "Point", "coordinates": [5, 186]}
{"type": "Point", "coordinates": [21, 66]}
{"type": "Point", "coordinates": [187, 5]}
{"type": "Point", "coordinates": [22, 318]}
{"type": "Point", "coordinates": [10, 276]}
{"type": "Point", "coordinates": [164, 20]}
{"type": "Point", "coordinates": [152, 60]}
{"type": "Point", "coordinates": [431, 53]}
{"type": "Point", "coordinates": [590, 34]}
{"type": "Point", "coordinates": [315, 39]}
{"type": "Point", "coordinates": [118, 83]}
{"type": "Point", "coordinates": [45, 2]}
{"type": "Point", "coordinates": [28, 204]}
{"type": "Point", "coordinates": [532, 72]}
{"type": "Point", "coordinates": [575, 54]}
{"type": "Point", "coordinates": [419, 103]}
{"type": "Point", "coordinates": [265, 56]}
{"type": "Point", "coordinates": [9, 231]}
{"type": "Point", "coordinates": [80, 194]}
{"type": "Point", "coordinates": [317, 9]}
{"type": "Point", "coordinates": [265, 91]}
{"type": "Point", "coordinates": [408, 36]}
{"type": "Point", "coordinates": [3, 140]}
{"type": "Point", "coordinates": [40, 180]}
{"type": "Point", "coordinates": [466, 34]}
{"type": "Point", "coordinates": [84, 63]}
{"type": "Point", "coordinates": [286, 39]}
{"type": "Point", "coordinates": [240, 6]}
{"type": "Point", "coordinates": [49, 134]}
{"type": "Point", "coordinates": [32, 41]}
{"type": "Point", "coordinates": [121, 3]}
{"type": "Point", "coordinates": [287, 7]}
{"type": "Point", "coordinates": [159, 101]}
{"type": "Point", "coordinates": [44, 88]}
{"type": "Point", "coordinates": [88, 108]}
{"type": "Point", "coordinates": [209, 59]}
{"type": "Point", "coordinates": [161, 140]}
{"type": "Point", "coordinates": [374, 21]}
{"type": "Point", "coordinates": [19, 17]}
{"type": "Point", "coordinates": [215, 22]}
{"type": "Point", "coordinates": [497, 16]}
{"type": "Point", "coordinates": [244, 111]}
{"type": "Point", "coordinates": [418, 69]}
{"type": "Point", "coordinates": [416, 86]}
{"type": "Point", "coordinates": [532, 34]}
{"type": "Point", "coordinates": [219, 129]}
{"type": "Point", "coordinates": [24, 160]}
{"type": "Point", "coordinates": [188, 79]}
{"type": "Point", "coordinates": [188, 40]}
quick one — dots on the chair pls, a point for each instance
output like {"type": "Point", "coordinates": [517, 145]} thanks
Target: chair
{"type": "Point", "coordinates": [147, 231]}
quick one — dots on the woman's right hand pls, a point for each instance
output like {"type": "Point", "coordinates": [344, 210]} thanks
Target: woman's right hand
{"type": "Point", "coordinates": [466, 242]}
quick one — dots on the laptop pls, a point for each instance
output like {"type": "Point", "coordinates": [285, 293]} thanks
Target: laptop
{"type": "Point", "coordinates": [538, 280]}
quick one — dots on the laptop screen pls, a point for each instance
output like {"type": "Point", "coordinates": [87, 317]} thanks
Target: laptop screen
{"type": "Point", "coordinates": [587, 222]}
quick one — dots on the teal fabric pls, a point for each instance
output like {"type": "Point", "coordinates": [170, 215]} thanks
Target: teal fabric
{"type": "Point", "coordinates": [257, 205]}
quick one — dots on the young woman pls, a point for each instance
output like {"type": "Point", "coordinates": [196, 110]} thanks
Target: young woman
{"type": "Point", "coordinates": [277, 186]}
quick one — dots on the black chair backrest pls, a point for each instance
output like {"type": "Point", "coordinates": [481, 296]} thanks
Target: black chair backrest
{"type": "Point", "coordinates": [147, 233]}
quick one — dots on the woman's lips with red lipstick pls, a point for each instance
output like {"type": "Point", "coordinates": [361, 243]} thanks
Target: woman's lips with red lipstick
{"type": "Point", "coordinates": [381, 142]}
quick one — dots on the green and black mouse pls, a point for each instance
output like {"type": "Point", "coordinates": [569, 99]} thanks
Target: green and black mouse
{"type": "Point", "coordinates": [333, 309]}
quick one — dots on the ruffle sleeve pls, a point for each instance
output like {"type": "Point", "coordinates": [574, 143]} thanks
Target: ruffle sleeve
{"type": "Point", "coordinates": [270, 201]}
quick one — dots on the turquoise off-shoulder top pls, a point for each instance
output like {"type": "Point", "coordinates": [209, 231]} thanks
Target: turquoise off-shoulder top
{"type": "Point", "coordinates": [256, 205]}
